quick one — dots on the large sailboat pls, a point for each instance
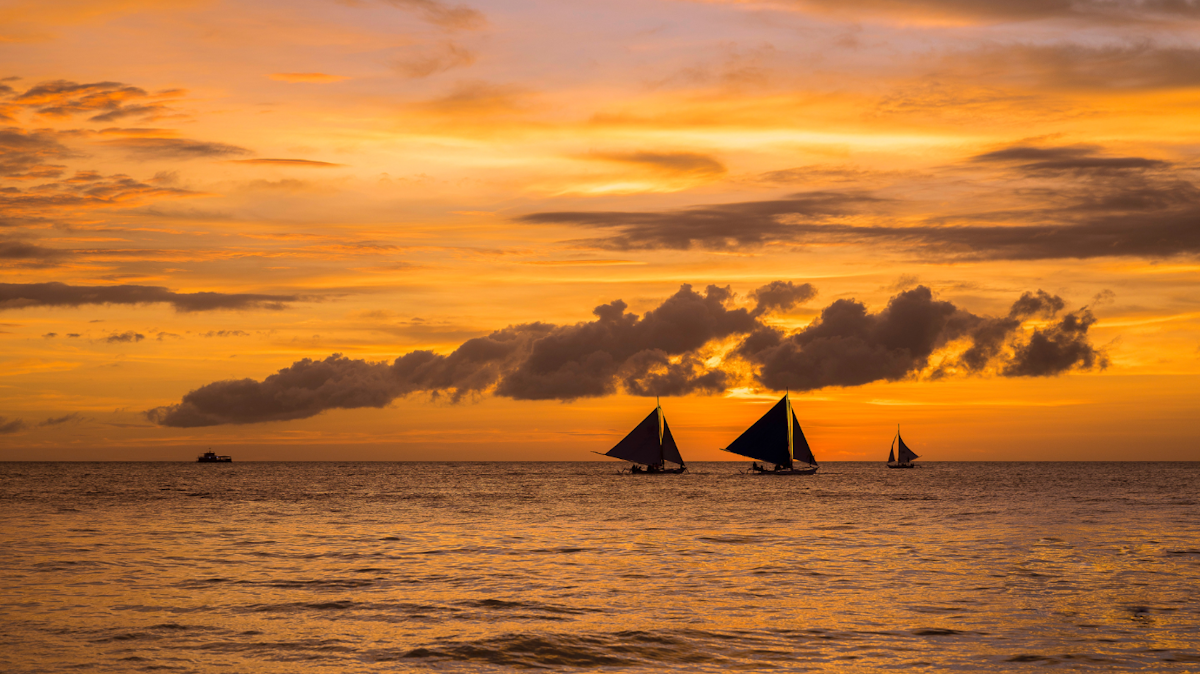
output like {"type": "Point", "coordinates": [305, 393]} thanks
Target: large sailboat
{"type": "Point", "coordinates": [906, 455]}
{"type": "Point", "coordinates": [776, 438]}
{"type": "Point", "coordinates": [649, 446]}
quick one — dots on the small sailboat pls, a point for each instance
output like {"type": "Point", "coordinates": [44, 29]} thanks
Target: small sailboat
{"type": "Point", "coordinates": [649, 446]}
{"type": "Point", "coordinates": [776, 438]}
{"type": "Point", "coordinates": [906, 454]}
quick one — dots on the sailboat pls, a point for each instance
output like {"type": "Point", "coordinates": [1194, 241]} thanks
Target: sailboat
{"type": "Point", "coordinates": [649, 444]}
{"type": "Point", "coordinates": [776, 438]}
{"type": "Point", "coordinates": [906, 454]}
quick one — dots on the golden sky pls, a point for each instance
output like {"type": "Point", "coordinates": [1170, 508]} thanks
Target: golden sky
{"type": "Point", "coordinates": [416, 229]}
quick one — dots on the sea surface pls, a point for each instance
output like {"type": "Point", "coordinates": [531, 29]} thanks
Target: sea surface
{"type": "Point", "coordinates": [385, 567]}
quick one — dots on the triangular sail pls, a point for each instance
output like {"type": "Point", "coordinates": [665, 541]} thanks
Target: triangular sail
{"type": "Point", "coordinates": [642, 445]}
{"type": "Point", "coordinates": [670, 451]}
{"type": "Point", "coordinates": [767, 439]}
{"type": "Point", "coordinates": [800, 449]}
{"type": "Point", "coordinates": [906, 455]}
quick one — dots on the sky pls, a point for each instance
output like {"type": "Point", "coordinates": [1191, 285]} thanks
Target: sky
{"type": "Point", "coordinates": [424, 230]}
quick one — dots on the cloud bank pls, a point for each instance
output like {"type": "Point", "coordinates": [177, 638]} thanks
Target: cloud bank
{"type": "Point", "coordinates": [1089, 204]}
{"type": "Point", "coordinates": [55, 294]}
{"type": "Point", "coordinates": [673, 349]}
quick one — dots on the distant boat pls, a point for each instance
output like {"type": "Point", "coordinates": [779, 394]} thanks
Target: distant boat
{"type": "Point", "coordinates": [776, 438]}
{"type": "Point", "coordinates": [649, 444]}
{"type": "Point", "coordinates": [906, 454]}
{"type": "Point", "coordinates": [211, 457]}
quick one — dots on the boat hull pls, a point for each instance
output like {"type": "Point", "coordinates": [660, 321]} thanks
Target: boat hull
{"type": "Point", "coordinates": [902, 465]}
{"type": "Point", "coordinates": [790, 471]}
{"type": "Point", "coordinates": [214, 460]}
{"type": "Point", "coordinates": [666, 471]}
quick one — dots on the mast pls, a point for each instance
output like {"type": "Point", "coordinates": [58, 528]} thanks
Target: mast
{"type": "Point", "coordinates": [787, 395]}
{"type": "Point", "coordinates": [661, 456]}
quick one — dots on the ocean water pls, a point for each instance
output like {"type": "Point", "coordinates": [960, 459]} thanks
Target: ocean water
{"type": "Point", "coordinates": [384, 567]}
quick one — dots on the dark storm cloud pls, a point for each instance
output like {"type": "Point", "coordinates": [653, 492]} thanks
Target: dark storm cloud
{"type": "Point", "coordinates": [11, 425]}
{"type": "Point", "coordinates": [652, 353]}
{"type": "Point", "coordinates": [54, 294]}
{"type": "Point", "coordinates": [1057, 348]}
{"type": "Point", "coordinates": [657, 353]}
{"type": "Point", "coordinates": [721, 226]}
{"type": "Point", "coordinates": [849, 346]}
{"type": "Point", "coordinates": [583, 360]}
{"type": "Point", "coordinates": [781, 296]}
{"type": "Point", "coordinates": [174, 148]}
{"type": "Point", "coordinates": [988, 336]}
{"type": "Point", "coordinates": [652, 372]}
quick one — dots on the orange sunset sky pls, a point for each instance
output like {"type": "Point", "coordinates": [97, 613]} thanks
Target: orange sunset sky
{"type": "Point", "coordinates": [416, 229]}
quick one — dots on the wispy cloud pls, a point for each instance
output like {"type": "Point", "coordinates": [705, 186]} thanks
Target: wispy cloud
{"type": "Point", "coordinates": [54, 294]}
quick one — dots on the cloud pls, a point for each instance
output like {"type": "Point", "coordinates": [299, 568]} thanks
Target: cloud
{"type": "Point", "coordinates": [1057, 348]}
{"type": "Point", "coordinates": [11, 425]}
{"type": "Point", "coordinates": [28, 155]}
{"type": "Point", "coordinates": [86, 189]}
{"type": "Point", "coordinates": [105, 101]}
{"type": "Point", "coordinates": [986, 11]}
{"type": "Point", "coordinates": [308, 78]}
{"type": "Point", "coordinates": [226, 333]}
{"type": "Point", "coordinates": [582, 360]}
{"type": "Point", "coordinates": [717, 227]}
{"type": "Point", "coordinates": [1079, 159]}
{"type": "Point", "coordinates": [1137, 66]}
{"type": "Point", "coordinates": [671, 163]}
{"type": "Point", "coordinates": [55, 294]}
{"type": "Point", "coordinates": [58, 421]}
{"type": "Point", "coordinates": [174, 148]}
{"type": "Point", "coordinates": [781, 296]}
{"type": "Point", "coordinates": [124, 337]}
{"type": "Point", "coordinates": [849, 346]}
{"type": "Point", "coordinates": [19, 250]}
{"type": "Point", "coordinates": [479, 98]}
{"type": "Point", "coordinates": [297, 163]}
{"type": "Point", "coordinates": [532, 361]}
{"type": "Point", "coordinates": [662, 352]}
{"type": "Point", "coordinates": [1080, 204]}
{"type": "Point", "coordinates": [456, 17]}
{"type": "Point", "coordinates": [50, 335]}
{"type": "Point", "coordinates": [420, 61]}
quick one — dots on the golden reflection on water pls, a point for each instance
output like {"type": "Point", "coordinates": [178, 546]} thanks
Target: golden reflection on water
{"type": "Point", "coordinates": [374, 567]}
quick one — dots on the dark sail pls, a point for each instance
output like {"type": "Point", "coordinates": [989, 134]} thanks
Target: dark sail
{"type": "Point", "coordinates": [892, 453]}
{"type": "Point", "coordinates": [800, 449]}
{"type": "Point", "coordinates": [642, 444]}
{"type": "Point", "coordinates": [767, 439]}
{"type": "Point", "coordinates": [670, 451]}
{"type": "Point", "coordinates": [906, 455]}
